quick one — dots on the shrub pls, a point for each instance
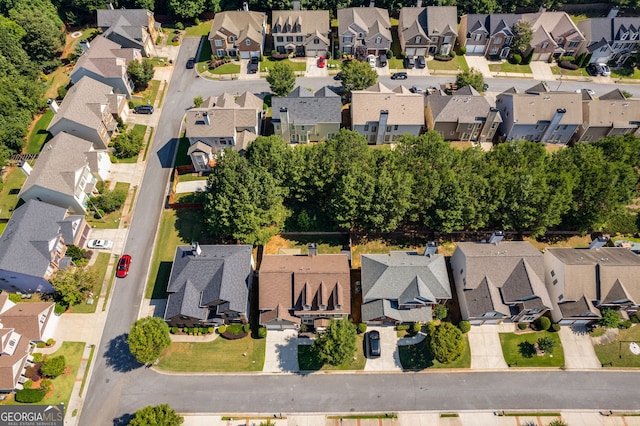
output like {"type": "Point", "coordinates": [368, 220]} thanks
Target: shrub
{"type": "Point", "coordinates": [558, 422]}
{"type": "Point", "coordinates": [37, 357]}
{"type": "Point", "coordinates": [403, 327]}
{"type": "Point", "coordinates": [222, 329]}
{"type": "Point", "coordinates": [174, 330]}
{"type": "Point", "coordinates": [62, 92]}
{"type": "Point", "coordinates": [516, 59]}
{"type": "Point", "coordinates": [41, 345]}
{"type": "Point", "coordinates": [262, 332]}
{"type": "Point", "coordinates": [53, 367]}
{"type": "Point", "coordinates": [568, 65]}
{"type": "Point", "coordinates": [15, 298]}
{"type": "Point", "coordinates": [452, 54]}
{"type": "Point", "coordinates": [634, 318]}
{"type": "Point", "coordinates": [210, 330]}
{"type": "Point", "coordinates": [196, 21]}
{"type": "Point", "coordinates": [625, 324]}
{"type": "Point", "coordinates": [440, 312]}
{"type": "Point", "coordinates": [464, 326]}
{"type": "Point", "coordinates": [610, 318]}
{"type": "Point", "coordinates": [27, 384]}
{"type": "Point", "coordinates": [50, 342]}
{"type": "Point", "coordinates": [362, 327]}
{"type": "Point", "coordinates": [179, 26]}
{"type": "Point", "coordinates": [550, 59]}
{"type": "Point", "coordinates": [416, 327]}
{"type": "Point", "coordinates": [30, 395]}
{"type": "Point", "coordinates": [555, 327]}
{"type": "Point", "coordinates": [523, 325]}
{"type": "Point", "coordinates": [567, 59]}
{"type": "Point", "coordinates": [246, 327]}
{"type": "Point", "coordinates": [543, 323]}
{"type": "Point", "coordinates": [528, 58]}
{"type": "Point", "coordinates": [597, 332]}
{"type": "Point", "coordinates": [235, 329]}
{"type": "Point", "coordinates": [389, 54]}
{"type": "Point", "coordinates": [462, 50]}
{"type": "Point", "coordinates": [546, 344]}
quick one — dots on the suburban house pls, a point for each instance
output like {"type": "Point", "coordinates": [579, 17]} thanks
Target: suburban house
{"type": "Point", "coordinates": [34, 243]}
{"type": "Point", "coordinates": [307, 289]}
{"type": "Point", "coordinates": [304, 116]}
{"type": "Point", "coordinates": [430, 30]}
{"type": "Point", "coordinates": [554, 34]}
{"type": "Point", "coordinates": [539, 115]}
{"type": "Point", "coordinates": [364, 26]}
{"type": "Point", "coordinates": [209, 285]}
{"type": "Point", "coordinates": [89, 111]}
{"type": "Point", "coordinates": [382, 114]}
{"type": "Point", "coordinates": [238, 33]}
{"type": "Point", "coordinates": [130, 28]}
{"type": "Point", "coordinates": [66, 173]}
{"type": "Point", "coordinates": [303, 32]}
{"type": "Point", "coordinates": [224, 121]}
{"type": "Point", "coordinates": [106, 62]}
{"type": "Point", "coordinates": [403, 287]}
{"type": "Point", "coordinates": [499, 281]}
{"type": "Point", "coordinates": [611, 114]}
{"type": "Point", "coordinates": [610, 39]}
{"type": "Point", "coordinates": [20, 325]}
{"type": "Point", "coordinates": [582, 281]}
{"type": "Point", "coordinates": [464, 116]}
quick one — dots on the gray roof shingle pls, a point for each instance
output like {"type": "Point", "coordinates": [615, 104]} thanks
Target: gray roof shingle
{"type": "Point", "coordinates": [305, 107]}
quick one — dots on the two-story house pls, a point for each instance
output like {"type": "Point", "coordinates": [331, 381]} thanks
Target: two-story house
{"type": "Point", "coordinates": [130, 28]}
{"type": "Point", "coordinates": [610, 39]}
{"type": "Point", "coordinates": [609, 115]}
{"type": "Point", "coordinates": [33, 246]}
{"type": "Point", "coordinates": [430, 30]}
{"type": "Point", "coordinates": [303, 32]}
{"type": "Point", "coordinates": [106, 62]}
{"type": "Point", "coordinates": [488, 35]}
{"type": "Point", "coordinates": [382, 114]}
{"type": "Point", "coordinates": [238, 33]}
{"type": "Point", "coordinates": [464, 116]}
{"type": "Point", "coordinates": [304, 116]}
{"type": "Point", "coordinates": [539, 115]}
{"type": "Point", "coordinates": [66, 173]}
{"type": "Point", "coordinates": [499, 281]}
{"type": "Point", "coordinates": [224, 121]}
{"type": "Point", "coordinates": [364, 26]}
{"type": "Point", "coordinates": [89, 111]}
{"type": "Point", "coordinates": [554, 35]}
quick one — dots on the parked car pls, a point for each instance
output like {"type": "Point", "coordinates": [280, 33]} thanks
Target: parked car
{"type": "Point", "coordinates": [322, 62]}
{"type": "Point", "coordinates": [399, 76]}
{"type": "Point", "coordinates": [383, 60]}
{"type": "Point", "coordinates": [416, 89]}
{"type": "Point", "coordinates": [373, 344]}
{"type": "Point", "coordinates": [589, 91]}
{"type": "Point", "coordinates": [100, 244]}
{"type": "Point", "coordinates": [191, 62]}
{"type": "Point", "coordinates": [421, 62]}
{"type": "Point", "coordinates": [372, 60]}
{"type": "Point", "coordinates": [252, 68]}
{"type": "Point", "coordinates": [143, 109]}
{"type": "Point", "coordinates": [594, 69]}
{"type": "Point", "coordinates": [409, 62]}
{"type": "Point", "coordinates": [605, 71]}
{"type": "Point", "coordinates": [123, 266]}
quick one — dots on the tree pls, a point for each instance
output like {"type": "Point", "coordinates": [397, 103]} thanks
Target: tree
{"type": "Point", "coordinates": [54, 366]}
{"type": "Point", "coordinates": [147, 339]}
{"type": "Point", "coordinates": [522, 36]}
{"type": "Point", "coordinates": [187, 9]}
{"type": "Point", "coordinates": [43, 39]}
{"type": "Point", "coordinates": [440, 312]}
{"type": "Point", "coordinates": [159, 415]}
{"type": "Point", "coordinates": [543, 324]}
{"type": "Point", "coordinates": [197, 101]}
{"type": "Point", "coordinates": [141, 73]}
{"type": "Point", "coordinates": [546, 344]}
{"type": "Point", "coordinates": [445, 342]}
{"type": "Point", "coordinates": [281, 79]}
{"type": "Point", "coordinates": [337, 343]}
{"type": "Point", "coordinates": [471, 77]}
{"type": "Point", "coordinates": [128, 144]}
{"type": "Point", "coordinates": [110, 201]}
{"type": "Point", "coordinates": [358, 75]}
{"type": "Point", "coordinates": [71, 285]}
{"type": "Point", "coordinates": [610, 318]}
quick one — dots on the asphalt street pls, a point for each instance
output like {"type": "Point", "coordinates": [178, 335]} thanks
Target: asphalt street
{"type": "Point", "coordinates": [119, 386]}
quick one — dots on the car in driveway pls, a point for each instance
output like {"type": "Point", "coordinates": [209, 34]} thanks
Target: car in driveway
{"type": "Point", "coordinates": [252, 68]}
{"type": "Point", "coordinates": [605, 71]}
{"type": "Point", "coordinates": [409, 62]}
{"type": "Point", "coordinates": [100, 244]}
{"type": "Point", "coordinates": [143, 109]}
{"type": "Point", "coordinates": [597, 69]}
{"type": "Point", "coordinates": [383, 60]}
{"type": "Point", "coordinates": [399, 76]}
{"type": "Point", "coordinates": [322, 62]}
{"type": "Point", "coordinates": [191, 62]}
{"type": "Point", "coordinates": [416, 89]}
{"type": "Point", "coordinates": [421, 62]}
{"type": "Point", "coordinates": [371, 59]}
{"type": "Point", "coordinates": [122, 270]}
{"type": "Point", "coordinates": [373, 344]}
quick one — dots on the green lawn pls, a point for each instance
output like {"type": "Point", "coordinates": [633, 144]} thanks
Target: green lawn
{"type": "Point", "coordinates": [308, 361]}
{"type": "Point", "coordinates": [228, 68]}
{"type": "Point", "coordinates": [458, 63]}
{"type": "Point", "coordinates": [177, 227]}
{"type": "Point", "coordinates": [202, 29]}
{"type": "Point", "coordinates": [395, 64]}
{"type": "Point", "coordinates": [580, 72]}
{"type": "Point", "coordinates": [111, 220]}
{"type": "Point", "coordinates": [267, 63]}
{"type": "Point", "coordinates": [626, 72]}
{"type": "Point", "coordinates": [511, 350]}
{"type": "Point", "coordinates": [182, 158]}
{"type": "Point", "coordinates": [99, 269]}
{"type": "Point", "coordinates": [148, 97]}
{"type": "Point", "coordinates": [188, 177]}
{"type": "Point", "coordinates": [220, 355]}
{"type": "Point", "coordinates": [39, 135]}
{"type": "Point", "coordinates": [419, 357]}
{"type": "Point", "coordinates": [13, 181]}
{"type": "Point", "coordinates": [617, 354]}
{"type": "Point", "coordinates": [508, 67]}
{"type": "Point", "coordinates": [205, 55]}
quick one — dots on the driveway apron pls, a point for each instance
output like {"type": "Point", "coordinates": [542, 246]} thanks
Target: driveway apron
{"type": "Point", "coordinates": [578, 349]}
{"type": "Point", "coordinates": [389, 359]}
{"type": "Point", "coordinates": [486, 351]}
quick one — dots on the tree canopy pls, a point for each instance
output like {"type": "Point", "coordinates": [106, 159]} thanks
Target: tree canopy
{"type": "Point", "coordinates": [281, 79]}
{"type": "Point", "coordinates": [71, 285]}
{"type": "Point", "coordinates": [445, 341]}
{"type": "Point", "coordinates": [471, 77]}
{"type": "Point", "coordinates": [522, 36]}
{"type": "Point", "coordinates": [158, 415]}
{"type": "Point", "coordinates": [357, 75]}
{"type": "Point", "coordinates": [147, 339]}
{"type": "Point", "coordinates": [141, 73]}
{"type": "Point", "coordinates": [337, 343]}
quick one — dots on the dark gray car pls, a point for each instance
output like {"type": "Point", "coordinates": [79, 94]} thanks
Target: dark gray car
{"type": "Point", "coordinates": [373, 344]}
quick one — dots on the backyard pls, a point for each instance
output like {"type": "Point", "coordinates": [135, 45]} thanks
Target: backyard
{"type": "Point", "coordinates": [518, 350]}
{"type": "Point", "coordinates": [38, 134]}
{"type": "Point", "coordinates": [308, 361]}
{"type": "Point", "coordinates": [617, 353]}
{"type": "Point", "coordinates": [13, 181]}
{"type": "Point", "coordinates": [419, 357]}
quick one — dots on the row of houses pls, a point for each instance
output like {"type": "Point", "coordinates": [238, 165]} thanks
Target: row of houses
{"type": "Point", "coordinates": [422, 31]}
{"type": "Point", "coordinates": [495, 281]}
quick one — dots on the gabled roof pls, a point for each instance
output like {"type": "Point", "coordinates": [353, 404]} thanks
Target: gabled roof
{"type": "Point", "coordinates": [578, 308]}
{"type": "Point", "coordinates": [385, 308]}
{"type": "Point", "coordinates": [279, 314]}
{"type": "Point", "coordinates": [615, 94]}
{"type": "Point", "coordinates": [25, 318]}
{"type": "Point", "coordinates": [608, 29]}
{"type": "Point", "coordinates": [371, 20]}
{"type": "Point", "coordinates": [485, 298]}
{"type": "Point", "coordinates": [529, 108]}
{"type": "Point", "coordinates": [305, 107]}
{"type": "Point", "coordinates": [86, 103]}
{"type": "Point", "coordinates": [608, 111]}
{"type": "Point", "coordinates": [466, 105]}
{"type": "Point", "coordinates": [106, 58]}
{"type": "Point", "coordinates": [137, 17]}
{"type": "Point", "coordinates": [123, 28]}
{"type": "Point", "coordinates": [404, 108]}
{"type": "Point", "coordinates": [310, 21]}
{"type": "Point", "coordinates": [237, 21]}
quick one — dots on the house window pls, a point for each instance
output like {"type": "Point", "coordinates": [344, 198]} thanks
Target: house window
{"type": "Point", "coordinates": [395, 127]}
{"type": "Point", "coordinates": [347, 49]}
{"type": "Point", "coordinates": [478, 37]}
{"type": "Point", "coordinates": [494, 51]}
{"type": "Point", "coordinates": [555, 282]}
{"type": "Point", "coordinates": [388, 128]}
{"type": "Point", "coordinates": [624, 36]}
{"type": "Point", "coordinates": [218, 42]}
{"type": "Point", "coordinates": [374, 128]}
{"type": "Point", "coordinates": [247, 42]}
{"type": "Point", "coordinates": [544, 45]}
{"type": "Point", "coordinates": [289, 39]}
{"type": "Point", "coordinates": [280, 39]}
{"type": "Point", "coordinates": [553, 273]}
{"type": "Point", "coordinates": [634, 36]}
{"type": "Point", "coordinates": [560, 296]}
{"type": "Point", "coordinates": [347, 39]}
{"type": "Point", "coordinates": [316, 41]}
{"type": "Point", "coordinates": [378, 40]}
{"type": "Point", "coordinates": [366, 127]}
{"type": "Point", "coordinates": [447, 39]}
{"type": "Point", "coordinates": [220, 52]}
{"type": "Point", "coordinates": [360, 35]}
{"type": "Point", "coordinates": [498, 40]}
{"type": "Point", "coordinates": [232, 39]}
{"type": "Point", "coordinates": [574, 44]}
{"type": "Point", "coordinates": [299, 39]}
{"type": "Point", "coordinates": [418, 39]}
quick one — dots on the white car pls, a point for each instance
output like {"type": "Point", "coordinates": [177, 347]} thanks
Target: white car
{"type": "Point", "coordinates": [100, 244]}
{"type": "Point", "coordinates": [372, 60]}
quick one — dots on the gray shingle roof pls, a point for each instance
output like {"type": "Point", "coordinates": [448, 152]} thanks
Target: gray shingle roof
{"type": "Point", "coordinates": [305, 107]}
{"type": "Point", "coordinates": [105, 58]}
{"type": "Point", "coordinates": [579, 308]}
{"type": "Point", "coordinates": [461, 107]}
{"type": "Point", "coordinates": [385, 308]}
{"type": "Point", "coordinates": [138, 17]}
{"type": "Point", "coordinates": [85, 103]}
{"type": "Point", "coordinates": [371, 19]}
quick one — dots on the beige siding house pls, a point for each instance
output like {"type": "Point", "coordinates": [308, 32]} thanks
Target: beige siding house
{"type": "Point", "coordinates": [428, 30]}
{"type": "Point", "coordinates": [364, 26]}
{"type": "Point", "coordinates": [303, 32]}
{"type": "Point", "coordinates": [238, 33]}
{"type": "Point", "coordinates": [610, 115]}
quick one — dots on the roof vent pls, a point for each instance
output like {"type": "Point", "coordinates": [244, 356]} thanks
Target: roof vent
{"type": "Point", "coordinates": [312, 249]}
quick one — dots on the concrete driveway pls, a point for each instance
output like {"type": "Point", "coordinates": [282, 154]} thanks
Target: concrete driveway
{"type": "Point", "coordinates": [480, 63]}
{"type": "Point", "coordinates": [578, 349]}
{"type": "Point", "coordinates": [389, 359]}
{"type": "Point", "coordinates": [281, 352]}
{"type": "Point", "coordinates": [313, 70]}
{"type": "Point", "coordinates": [486, 351]}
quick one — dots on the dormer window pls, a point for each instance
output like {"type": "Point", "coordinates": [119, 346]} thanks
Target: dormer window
{"type": "Point", "coordinates": [418, 39]}
{"type": "Point", "coordinates": [378, 40]}
{"type": "Point", "coordinates": [624, 36]}
{"type": "Point", "coordinates": [247, 42]}
{"type": "Point", "coordinates": [634, 36]}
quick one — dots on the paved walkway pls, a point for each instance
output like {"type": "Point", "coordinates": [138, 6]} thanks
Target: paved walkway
{"type": "Point", "coordinates": [281, 352]}
{"type": "Point", "coordinates": [191, 186]}
{"type": "Point", "coordinates": [389, 359]}
{"type": "Point", "coordinates": [486, 351]}
{"type": "Point", "coordinates": [578, 349]}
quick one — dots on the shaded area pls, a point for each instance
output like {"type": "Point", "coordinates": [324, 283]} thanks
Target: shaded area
{"type": "Point", "coordinates": [118, 356]}
{"type": "Point", "coordinates": [165, 153]}
{"type": "Point", "coordinates": [419, 357]}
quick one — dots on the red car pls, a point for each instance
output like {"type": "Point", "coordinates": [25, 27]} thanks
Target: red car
{"type": "Point", "coordinates": [123, 266]}
{"type": "Point", "coordinates": [321, 62]}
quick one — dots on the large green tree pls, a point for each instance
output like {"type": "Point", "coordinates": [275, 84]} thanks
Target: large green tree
{"type": "Point", "coordinates": [281, 79]}
{"type": "Point", "coordinates": [445, 341]}
{"type": "Point", "coordinates": [337, 344]}
{"type": "Point", "coordinates": [158, 415]}
{"type": "Point", "coordinates": [141, 73]}
{"type": "Point", "coordinates": [471, 77]}
{"type": "Point", "coordinates": [52, 367]}
{"type": "Point", "coordinates": [522, 36]}
{"type": "Point", "coordinates": [147, 339]}
{"type": "Point", "coordinates": [71, 285]}
{"type": "Point", "coordinates": [357, 75]}
{"type": "Point", "coordinates": [188, 9]}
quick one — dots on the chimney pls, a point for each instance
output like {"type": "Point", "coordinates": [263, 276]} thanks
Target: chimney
{"type": "Point", "coordinates": [296, 4]}
{"type": "Point", "coordinates": [543, 8]}
{"type": "Point", "coordinates": [372, 3]}
{"type": "Point", "coordinates": [205, 118]}
{"type": "Point", "coordinates": [312, 249]}
{"type": "Point", "coordinates": [53, 105]}
{"type": "Point", "coordinates": [382, 126]}
{"type": "Point", "coordinates": [418, 3]}
{"type": "Point", "coordinates": [245, 6]}
{"type": "Point", "coordinates": [431, 248]}
{"type": "Point", "coordinates": [109, 5]}
{"type": "Point", "coordinates": [284, 124]}
{"type": "Point", "coordinates": [613, 12]}
{"type": "Point", "coordinates": [25, 167]}
{"type": "Point", "coordinates": [85, 45]}
{"type": "Point", "coordinates": [195, 249]}
{"type": "Point", "coordinates": [496, 237]}
{"type": "Point", "coordinates": [598, 242]}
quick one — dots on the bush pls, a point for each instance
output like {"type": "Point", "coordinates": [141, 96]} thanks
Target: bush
{"type": "Point", "coordinates": [15, 298]}
{"type": "Point", "coordinates": [30, 395]}
{"type": "Point", "coordinates": [546, 344]}
{"type": "Point", "coordinates": [567, 65]}
{"type": "Point", "coordinates": [50, 342]}
{"type": "Point", "coordinates": [128, 145]}
{"type": "Point", "coordinates": [37, 357]}
{"type": "Point", "coordinates": [210, 330]}
{"type": "Point", "coordinates": [262, 332]}
{"type": "Point", "coordinates": [53, 367]}
{"type": "Point", "coordinates": [522, 325]}
{"type": "Point", "coordinates": [452, 54]}
{"type": "Point", "coordinates": [528, 58]}
{"type": "Point", "coordinates": [625, 324]}
{"type": "Point", "coordinates": [27, 384]}
{"type": "Point", "coordinates": [196, 21]}
{"type": "Point", "coordinates": [567, 59]}
{"type": "Point", "coordinates": [416, 327]}
{"type": "Point", "coordinates": [610, 318]}
{"type": "Point", "coordinates": [403, 327]}
{"type": "Point", "coordinates": [179, 26]}
{"type": "Point", "coordinates": [558, 422]}
{"type": "Point", "coordinates": [389, 54]}
{"type": "Point", "coordinates": [110, 201]}
{"type": "Point", "coordinates": [516, 59]}
{"type": "Point", "coordinates": [174, 330]}
{"type": "Point", "coordinates": [246, 327]}
{"type": "Point", "coordinates": [362, 328]}
{"type": "Point", "coordinates": [41, 345]}
{"type": "Point", "coordinates": [464, 326]}
{"type": "Point", "coordinates": [440, 312]}
{"type": "Point", "coordinates": [462, 50]}
{"type": "Point", "coordinates": [543, 324]}
{"type": "Point", "coordinates": [235, 329]}
{"type": "Point", "coordinates": [62, 92]}
{"type": "Point", "coordinates": [222, 329]}
{"type": "Point", "coordinates": [555, 327]}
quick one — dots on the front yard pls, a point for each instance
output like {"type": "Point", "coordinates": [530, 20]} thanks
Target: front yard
{"type": "Point", "coordinates": [110, 220]}
{"type": "Point", "coordinates": [267, 63]}
{"type": "Point", "coordinates": [458, 63]}
{"type": "Point", "coordinates": [617, 353]}
{"type": "Point", "coordinates": [419, 357]}
{"type": "Point", "coordinates": [518, 350]}
{"type": "Point", "coordinates": [580, 72]}
{"type": "Point", "coordinates": [99, 270]}
{"type": "Point", "coordinates": [146, 97]}
{"type": "Point", "coordinates": [508, 67]}
{"type": "Point", "coordinates": [308, 361]}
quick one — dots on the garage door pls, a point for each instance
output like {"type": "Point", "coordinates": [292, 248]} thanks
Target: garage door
{"type": "Point", "coordinates": [422, 51]}
{"type": "Point", "coordinates": [245, 55]}
{"type": "Point", "coordinates": [255, 54]}
{"type": "Point", "coordinates": [475, 48]}
{"type": "Point", "coordinates": [411, 51]}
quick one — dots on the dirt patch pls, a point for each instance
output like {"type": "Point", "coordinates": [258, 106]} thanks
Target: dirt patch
{"type": "Point", "coordinates": [276, 243]}
{"type": "Point", "coordinates": [610, 335]}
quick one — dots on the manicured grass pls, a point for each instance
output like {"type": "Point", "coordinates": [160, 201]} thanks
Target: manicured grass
{"type": "Point", "coordinates": [177, 227]}
{"type": "Point", "coordinates": [205, 55]}
{"type": "Point", "coordinates": [632, 73]}
{"type": "Point", "coordinates": [182, 158]}
{"type": "Point", "coordinates": [508, 67]}
{"type": "Point", "coordinates": [188, 177]}
{"type": "Point", "coordinates": [13, 181]}
{"type": "Point", "coordinates": [228, 68]}
{"type": "Point", "coordinates": [99, 269]}
{"type": "Point", "coordinates": [219, 355]}
{"type": "Point", "coordinates": [512, 355]}
{"type": "Point", "coordinates": [395, 64]}
{"type": "Point", "coordinates": [580, 72]}
{"type": "Point", "coordinates": [267, 63]}
{"type": "Point", "coordinates": [419, 357]}
{"type": "Point", "coordinates": [111, 220]}
{"type": "Point", "coordinates": [39, 135]}
{"type": "Point", "coordinates": [308, 361]}
{"type": "Point", "coordinates": [617, 354]}
{"type": "Point", "coordinates": [202, 29]}
{"type": "Point", "coordinates": [148, 97]}
{"type": "Point", "coordinates": [457, 63]}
